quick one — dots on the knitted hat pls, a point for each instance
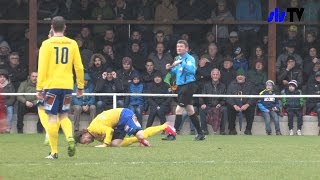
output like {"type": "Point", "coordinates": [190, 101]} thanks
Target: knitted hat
{"type": "Point", "coordinates": [270, 82]}
{"type": "Point", "coordinates": [233, 34]}
{"type": "Point", "coordinates": [241, 72]}
{"type": "Point", "coordinates": [237, 51]}
{"type": "Point", "coordinates": [317, 74]}
{"type": "Point", "coordinates": [5, 44]}
{"type": "Point", "coordinates": [293, 82]}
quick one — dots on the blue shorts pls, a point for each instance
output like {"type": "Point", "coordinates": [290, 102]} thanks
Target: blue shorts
{"type": "Point", "coordinates": [128, 123]}
{"type": "Point", "coordinates": [57, 101]}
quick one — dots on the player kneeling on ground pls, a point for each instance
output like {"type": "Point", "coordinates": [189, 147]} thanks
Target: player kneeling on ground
{"type": "Point", "coordinates": [111, 126]}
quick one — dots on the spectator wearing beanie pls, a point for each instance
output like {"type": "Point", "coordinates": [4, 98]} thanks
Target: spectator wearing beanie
{"type": "Point", "coordinates": [240, 86]}
{"type": "Point", "coordinates": [270, 108]}
{"type": "Point", "coordinates": [293, 106]}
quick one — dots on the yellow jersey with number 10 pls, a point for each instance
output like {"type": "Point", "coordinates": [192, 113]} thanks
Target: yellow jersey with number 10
{"type": "Point", "coordinates": [57, 57]}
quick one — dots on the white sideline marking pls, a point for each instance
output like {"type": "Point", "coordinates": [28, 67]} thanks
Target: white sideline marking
{"type": "Point", "coordinates": [165, 162]}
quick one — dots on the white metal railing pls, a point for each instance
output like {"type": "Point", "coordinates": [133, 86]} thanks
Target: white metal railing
{"type": "Point", "coordinates": [114, 95]}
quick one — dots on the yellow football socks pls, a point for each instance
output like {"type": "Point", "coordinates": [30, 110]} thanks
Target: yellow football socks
{"type": "Point", "coordinates": [150, 131]}
{"type": "Point", "coordinates": [52, 130]}
{"type": "Point", "coordinates": [66, 126]}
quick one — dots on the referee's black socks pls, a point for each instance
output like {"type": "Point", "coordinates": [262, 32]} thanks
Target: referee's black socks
{"type": "Point", "coordinates": [177, 122]}
{"type": "Point", "coordinates": [195, 121]}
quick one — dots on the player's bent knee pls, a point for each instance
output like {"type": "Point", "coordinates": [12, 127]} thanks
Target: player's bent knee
{"type": "Point", "coordinates": [179, 110]}
{"type": "Point", "coordinates": [116, 143]}
{"type": "Point", "coordinates": [139, 134]}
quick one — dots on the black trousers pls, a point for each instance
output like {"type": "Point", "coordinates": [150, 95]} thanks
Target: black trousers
{"type": "Point", "coordinates": [22, 110]}
{"type": "Point", "coordinates": [291, 114]}
{"type": "Point", "coordinates": [248, 114]}
{"type": "Point", "coordinates": [161, 113]}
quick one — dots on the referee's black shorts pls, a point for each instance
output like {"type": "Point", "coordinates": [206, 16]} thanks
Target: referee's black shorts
{"type": "Point", "coordinates": [185, 93]}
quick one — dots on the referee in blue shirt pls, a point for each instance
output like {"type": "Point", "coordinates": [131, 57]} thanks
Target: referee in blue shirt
{"type": "Point", "coordinates": [184, 68]}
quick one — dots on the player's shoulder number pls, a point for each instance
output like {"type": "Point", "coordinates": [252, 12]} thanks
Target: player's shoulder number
{"type": "Point", "coordinates": [64, 55]}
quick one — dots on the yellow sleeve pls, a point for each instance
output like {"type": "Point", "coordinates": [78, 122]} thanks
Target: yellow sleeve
{"type": "Point", "coordinates": [109, 133]}
{"type": "Point", "coordinates": [78, 67]}
{"type": "Point", "coordinates": [42, 66]}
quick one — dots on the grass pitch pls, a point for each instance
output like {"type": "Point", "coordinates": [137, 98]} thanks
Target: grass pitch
{"type": "Point", "coordinates": [218, 157]}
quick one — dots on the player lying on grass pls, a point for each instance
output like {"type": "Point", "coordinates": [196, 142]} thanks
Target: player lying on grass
{"type": "Point", "coordinates": [111, 126]}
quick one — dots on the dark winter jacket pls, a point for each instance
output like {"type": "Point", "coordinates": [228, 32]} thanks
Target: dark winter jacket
{"type": "Point", "coordinates": [211, 88]}
{"type": "Point", "coordinates": [245, 88]}
{"type": "Point", "coordinates": [161, 88]}
{"type": "Point", "coordinates": [105, 86]}
{"type": "Point", "coordinates": [293, 74]}
{"type": "Point", "coordinates": [313, 88]}
{"type": "Point", "coordinates": [17, 75]}
{"type": "Point", "coordinates": [147, 77]}
{"type": "Point", "coordinates": [258, 79]}
{"type": "Point", "coordinates": [203, 75]}
{"type": "Point", "coordinates": [125, 76]}
{"type": "Point", "coordinates": [240, 63]}
{"type": "Point", "coordinates": [265, 104]}
{"type": "Point", "coordinates": [292, 103]}
{"type": "Point", "coordinates": [227, 76]}
{"type": "Point", "coordinates": [96, 73]}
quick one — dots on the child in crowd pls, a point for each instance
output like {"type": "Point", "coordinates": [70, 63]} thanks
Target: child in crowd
{"type": "Point", "coordinates": [136, 103]}
{"type": "Point", "coordinates": [293, 106]}
{"type": "Point", "coordinates": [270, 108]}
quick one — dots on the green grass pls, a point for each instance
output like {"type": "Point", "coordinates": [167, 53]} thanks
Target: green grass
{"type": "Point", "coordinates": [218, 157]}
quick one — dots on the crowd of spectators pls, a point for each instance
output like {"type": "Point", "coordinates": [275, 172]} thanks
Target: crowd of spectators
{"type": "Point", "coordinates": [115, 62]}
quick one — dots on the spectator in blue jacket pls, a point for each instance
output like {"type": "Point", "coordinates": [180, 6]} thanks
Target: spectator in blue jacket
{"type": "Point", "coordinates": [135, 103]}
{"type": "Point", "coordinates": [269, 107]}
{"type": "Point", "coordinates": [293, 106]}
{"type": "Point", "coordinates": [84, 104]}
{"type": "Point", "coordinates": [239, 60]}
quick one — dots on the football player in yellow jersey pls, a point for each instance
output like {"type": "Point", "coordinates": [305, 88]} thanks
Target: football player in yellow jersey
{"type": "Point", "coordinates": [111, 126]}
{"type": "Point", "coordinates": [57, 57]}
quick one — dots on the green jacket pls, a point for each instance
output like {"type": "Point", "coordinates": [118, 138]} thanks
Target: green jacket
{"type": "Point", "coordinates": [27, 87]}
